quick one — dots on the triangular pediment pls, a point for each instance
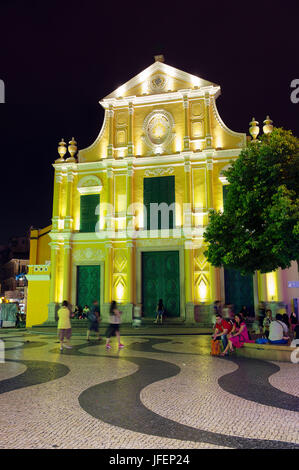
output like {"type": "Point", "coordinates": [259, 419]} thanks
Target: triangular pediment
{"type": "Point", "coordinates": [159, 78]}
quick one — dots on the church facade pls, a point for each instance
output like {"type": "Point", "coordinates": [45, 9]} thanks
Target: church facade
{"type": "Point", "coordinates": [129, 211]}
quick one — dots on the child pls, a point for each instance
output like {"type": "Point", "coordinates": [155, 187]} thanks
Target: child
{"type": "Point", "coordinates": [266, 323]}
{"type": "Point", "coordinates": [113, 328]}
{"type": "Point", "coordinates": [160, 311]}
{"type": "Point", "coordinates": [85, 311]}
{"type": "Point", "coordinates": [64, 325]}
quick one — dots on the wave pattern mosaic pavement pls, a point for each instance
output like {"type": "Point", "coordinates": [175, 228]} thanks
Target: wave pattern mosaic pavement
{"type": "Point", "coordinates": [159, 392]}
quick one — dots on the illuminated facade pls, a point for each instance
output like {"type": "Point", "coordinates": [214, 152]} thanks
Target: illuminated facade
{"type": "Point", "coordinates": [162, 141]}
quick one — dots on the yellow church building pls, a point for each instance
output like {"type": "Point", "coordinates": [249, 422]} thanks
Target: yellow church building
{"type": "Point", "coordinates": [129, 211]}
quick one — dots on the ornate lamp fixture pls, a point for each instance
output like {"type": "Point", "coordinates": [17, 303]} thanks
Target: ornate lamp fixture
{"type": "Point", "coordinates": [61, 151]}
{"type": "Point", "coordinates": [254, 129]}
{"type": "Point", "coordinates": [268, 127]}
{"type": "Point", "coordinates": [72, 148]}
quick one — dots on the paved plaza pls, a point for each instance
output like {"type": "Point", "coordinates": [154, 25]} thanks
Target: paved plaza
{"type": "Point", "coordinates": [159, 392]}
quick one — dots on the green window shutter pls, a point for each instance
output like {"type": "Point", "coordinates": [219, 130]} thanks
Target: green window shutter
{"type": "Point", "coordinates": [158, 190]}
{"type": "Point", "coordinates": [88, 216]}
{"type": "Point", "coordinates": [147, 187]}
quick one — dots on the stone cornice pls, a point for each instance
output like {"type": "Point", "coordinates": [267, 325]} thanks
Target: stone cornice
{"type": "Point", "coordinates": [146, 162]}
{"type": "Point", "coordinates": [170, 96]}
{"type": "Point", "coordinates": [60, 237]}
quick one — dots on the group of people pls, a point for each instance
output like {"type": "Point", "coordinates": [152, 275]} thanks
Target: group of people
{"type": "Point", "coordinates": [93, 316]}
{"type": "Point", "coordinates": [81, 313]}
{"type": "Point", "coordinates": [234, 333]}
{"type": "Point", "coordinates": [280, 330]}
{"type": "Point", "coordinates": [227, 310]}
{"type": "Point", "coordinates": [271, 331]}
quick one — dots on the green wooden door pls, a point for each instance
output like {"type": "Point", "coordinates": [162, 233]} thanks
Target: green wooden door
{"type": "Point", "coordinates": [88, 285]}
{"type": "Point", "coordinates": [158, 190]}
{"type": "Point", "coordinates": [238, 290]}
{"type": "Point", "coordinates": [161, 280]}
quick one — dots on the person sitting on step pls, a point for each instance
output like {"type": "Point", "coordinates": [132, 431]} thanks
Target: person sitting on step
{"type": "Point", "coordinates": [278, 332]}
{"type": "Point", "coordinates": [222, 329]}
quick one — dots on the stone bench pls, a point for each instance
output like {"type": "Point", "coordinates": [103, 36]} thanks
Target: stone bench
{"type": "Point", "coordinates": [269, 352]}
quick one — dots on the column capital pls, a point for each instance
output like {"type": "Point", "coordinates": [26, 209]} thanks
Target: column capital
{"type": "Point", "coordinates": [59, 178]}
{"type": "Point", "coordinates": [186, 142]}
{"type": "Point", "coordinates": [207, 99]}
{"type": "Point", "coordinates": [187, 166]}
{"type": "Point", "coordinates": [209, 141]}
{"type": "Point", "coordinates": [54, 246]}
{"type": "Point", "coordinates": [109, 151]}
{"type": "Point", "coordinates": [109, 173]}
{"type": "Point", "coordinates": [70, 177]}
{"type": "Point", "coordinates": [186, 154]}
{"type": "Point", "coordinates": [110, 111]}
{"type": "Point", "coordinates": [68, 220]}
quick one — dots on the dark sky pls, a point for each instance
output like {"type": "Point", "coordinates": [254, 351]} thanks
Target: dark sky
{"type": "Point", "coordinates": [59, 58]}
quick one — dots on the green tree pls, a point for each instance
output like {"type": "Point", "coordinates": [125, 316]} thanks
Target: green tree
{"type": "Point", "coordinates": [259, 227]}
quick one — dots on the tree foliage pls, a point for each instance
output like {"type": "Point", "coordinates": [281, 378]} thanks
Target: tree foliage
{"type": "Point", "coordinates": [259, 227]}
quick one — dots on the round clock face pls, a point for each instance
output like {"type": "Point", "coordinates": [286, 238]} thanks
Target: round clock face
{"type": "Point", "coordinates": [158, 128]}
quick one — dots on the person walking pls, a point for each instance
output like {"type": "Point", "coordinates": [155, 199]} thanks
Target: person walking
{"type": "Point", "coordinates": [114, 323]}
{"type": "Point", "coordinates": [244, 312]}
{"type": "Point", "coordinates": [18, 318]}
{"type": "Point", "coordinates": [286, 320]}
{"type": "Point", "coordinates": [293, 320]}
{"type": "Point", "coordinates": [217, 307]}
{"type": "Point", "coordinates": [64, 326]}
{"type": "Point", "coordinates": [261, 316]}
{"type": "Point", "coordinates": [160, 312]}
{"type": "Point", "coordinates": [94, 319]}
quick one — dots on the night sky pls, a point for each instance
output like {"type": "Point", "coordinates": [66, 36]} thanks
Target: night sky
{"type": "Point", "coordinates": [59, 58]}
